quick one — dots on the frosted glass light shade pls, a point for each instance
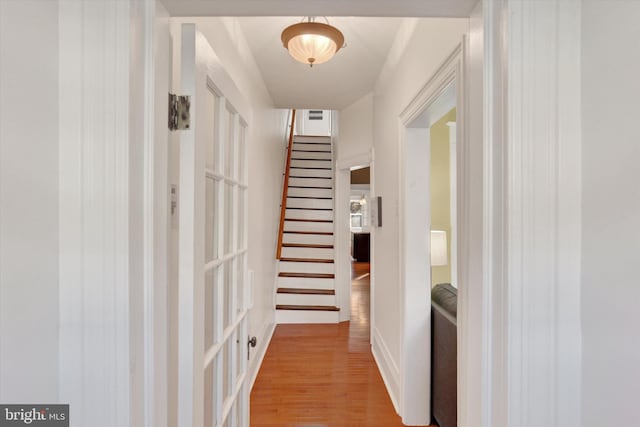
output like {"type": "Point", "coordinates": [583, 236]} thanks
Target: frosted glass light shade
{"type": "Point", "coordinates": [312, 42]}
{"type": "Point", "coordinates": [438, 248]}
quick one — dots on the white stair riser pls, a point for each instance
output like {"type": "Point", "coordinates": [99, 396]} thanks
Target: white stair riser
{"type": "Point", "coordinates": [310, 192]}
{"type": "Point", "coordinates": [315, 239]}
{"type": "Point", "coordinates": [304, 299]}
{"type": "Point", "coordinates": [310, 203]}
{"type": "Point", "coordinates": [311, 172]}
{"type": "Point", "coordinates": [307, 152]}
{"type": "Point", "coordinates": [300, 147]}
{"type": "Point", "coordinates": [306, 267]}
{"type": "Point", "coordinates": [308, 226]}
{"type": "Point", "coordinates": [310, 182]}
{"type": "Point", "coordinates": [305, 283]}
{"type": "Point", "coordinates": [309, 163]}
{"type": "Point", "coordinates": [300, 316]}
{"type": "Point", "coordinates": [307, 253]}
{"type": "Point", "coordinates": [312, 139]}
{"type": "Point", "coordinates": [308, 214]}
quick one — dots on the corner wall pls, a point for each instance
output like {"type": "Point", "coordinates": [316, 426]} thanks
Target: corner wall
{"type": "Point", "coordinates": [421, 46]}
{"type": "Point", "coordinates": [611, 213]}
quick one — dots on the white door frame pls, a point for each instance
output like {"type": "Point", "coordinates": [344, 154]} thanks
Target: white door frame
{"type": "Point", "coordinates": [414, 213]}
{"type": "Point", "coordinates": [532, 213]}
{"type": "Point", "coordinates": [102, 120]}
{"type": "Point", "coordinates": [343, 234]}
{"type": "Point", "coordinates": [499, 124]}
{"type": "Point", "coordinates": [157, 65]}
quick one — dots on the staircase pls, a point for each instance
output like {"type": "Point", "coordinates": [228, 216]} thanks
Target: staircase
{"type": "Point", "coordinates": [306, 281]}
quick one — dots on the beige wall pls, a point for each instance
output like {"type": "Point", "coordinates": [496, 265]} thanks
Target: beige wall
{"type": "Point", "coordinates": [440, 190]}
{"type": "Point", "coordinates": [29, 285]}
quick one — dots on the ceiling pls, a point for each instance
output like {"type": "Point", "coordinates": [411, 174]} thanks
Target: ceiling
{"type": "Point", "coordinates": [336, 84]}
{"type": "Point", "coordinates": [369, 27]}
{"type": "Point", "coordinates": [397, 8]}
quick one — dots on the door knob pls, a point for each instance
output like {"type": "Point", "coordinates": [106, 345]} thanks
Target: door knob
{"type": "Point", "coordinates": [252, 343]}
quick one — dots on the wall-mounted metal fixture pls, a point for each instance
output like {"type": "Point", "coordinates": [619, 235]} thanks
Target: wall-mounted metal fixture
{"type": "Point", "coordinates": [179, 114]}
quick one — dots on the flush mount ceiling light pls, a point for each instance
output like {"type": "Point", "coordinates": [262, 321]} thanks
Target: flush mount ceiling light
{"type": "Point", "coordinates": [312, 42]}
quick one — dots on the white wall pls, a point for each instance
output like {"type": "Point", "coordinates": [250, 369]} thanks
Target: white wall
{"type": "Point", "coordinates": [353, 142]}
{"type": "Point", "coordinates": [356, 129]}
{"type": "Point", "coordinates": [419, 49]}
{"type": "Point", "coordinates": [305, 126]}
{"type": "Point", "coordinates": [611, 213]}
{"type": "Point", "coordinates": [266, 145]}
{"type": "Point", "coordinates": [28, 201]}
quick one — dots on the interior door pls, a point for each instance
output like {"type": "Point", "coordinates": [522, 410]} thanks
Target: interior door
{"type": "Point", "coordinates": [212, 355]}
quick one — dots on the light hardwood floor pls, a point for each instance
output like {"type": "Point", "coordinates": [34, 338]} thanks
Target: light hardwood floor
{"type": "Point", "coordinates": [324, 375]}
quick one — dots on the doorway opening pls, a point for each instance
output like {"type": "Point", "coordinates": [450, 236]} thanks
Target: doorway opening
{"type": "Point", "coordinates": [369, 160]}
{"type": "Point", "coordinates": [360, 245]}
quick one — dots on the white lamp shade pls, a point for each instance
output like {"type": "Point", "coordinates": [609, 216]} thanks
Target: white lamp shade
{"type": "Point", "coordinates": [312, 48]}
{"type": "Point", "coordinates": [438, 248]}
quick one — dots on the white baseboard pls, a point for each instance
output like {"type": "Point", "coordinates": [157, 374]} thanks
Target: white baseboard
{"type": "Point", "coordinates": [388, 369]}
{"type": "Point", "coordinates": [264, 341]}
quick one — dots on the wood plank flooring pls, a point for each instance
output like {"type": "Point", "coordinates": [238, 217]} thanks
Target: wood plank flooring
{"type": "Point", "coordinates": [324, 375]}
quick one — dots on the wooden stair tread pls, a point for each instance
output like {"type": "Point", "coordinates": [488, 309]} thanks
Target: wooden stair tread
{"type": "Point", "coordinates": [308, 142]}
{"type": "Point", "coordinates": [299, 291]}
{"type": "Point", "coordinates": [306, 245]}
{"type": "Point", "coordinates": [308, 307]}
{"type": "Point", "coordinates": [307, 220]}
{"type": "Point", "coordinates": [308, 167]}
{"type": "Point", "coordinates": [301, 135]}
{"type": "Point", "coordinates": [315, 260]}
{"type": "Point", "coordinates": [309, 209]}
{"type": "Point", "coordinates": [312, 151]}
{"type": "Point", "coordinates": [308, 275]}
{"type": "Point", "coordinates": [319, 233]}
{"type": "Point", "coordinates": [309, 197]}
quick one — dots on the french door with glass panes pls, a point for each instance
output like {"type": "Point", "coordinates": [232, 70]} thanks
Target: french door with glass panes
{"type": "Point", "coordinates": [212, 385]}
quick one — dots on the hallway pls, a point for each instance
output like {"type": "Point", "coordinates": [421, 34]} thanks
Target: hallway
{"type": "Point", "coordinates": [324, 375]}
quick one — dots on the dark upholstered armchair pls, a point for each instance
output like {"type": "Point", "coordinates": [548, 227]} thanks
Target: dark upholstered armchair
{"type": "Point", "coordinates": [444, 354]}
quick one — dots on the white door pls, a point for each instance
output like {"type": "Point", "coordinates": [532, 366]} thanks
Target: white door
{"type": "Point", "coordinates": [212, 355]}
